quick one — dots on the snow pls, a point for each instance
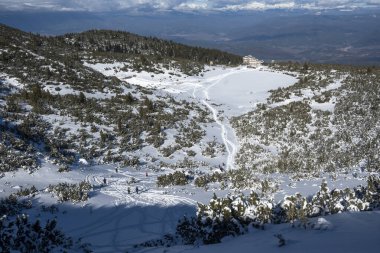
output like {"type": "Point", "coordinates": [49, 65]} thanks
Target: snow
{"type": "Point", "coordinates": [328, 106]}
{"type": "Point", "coordinates": [83, 161]}
{"type": "Point", "coordinates": [116, 217]}
{"type": "Point", "coordinates": [229, 143]}
{"type": "Point", "coordinates": [231, 91]}
{"type": "Point", "coordinates": [242, 90]}
{"type": "Point", "coordinates": [351, 232]}
{"type": "Point", "coordinates": [309, 94]}
{"type": "Point", "coordinates": [12, 81]}
{"type": "Point", "coordinates": [113, 220]}
{"type": "Point", "coordinates": [235, 89]}
{"type": "Point", "coordinates": [238, 89]}
{"type": "Point", "coordinates": [322, 224]}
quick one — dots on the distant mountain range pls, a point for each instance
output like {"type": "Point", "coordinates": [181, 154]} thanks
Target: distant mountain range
{"type": "Point", "coordinates": [348, 37]}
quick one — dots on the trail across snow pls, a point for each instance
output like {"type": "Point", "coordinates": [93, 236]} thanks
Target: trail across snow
{"type": "Point", "coordinates": [236, 90]}
{"type": "Point", "coordinates": [133, 188]}
{"type": "Point", "coordinates": [118, 211]}
{"type": "Point", "coordinates": [228, 136]}
{"type": "Point", "coordinates": [229, 143]}
{"type": "Point", "coordinates": [114, 218]}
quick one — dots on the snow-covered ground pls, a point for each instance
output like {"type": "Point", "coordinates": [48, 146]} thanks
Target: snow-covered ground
{"type": "Point", "coordinates": [239, 91]}
{"type": "Point", "coordinates": [346, 233]}
{"type": "Point", "coordinates": [117, 216]}
{"type": "Point", "coordinates": [113, 219]}
{"type": "Point", "coordinates": [226, 91]}
{"type": "Point", "coordinates": [235, 89]}
{"type": "Point", "coordinates": [5, 79]}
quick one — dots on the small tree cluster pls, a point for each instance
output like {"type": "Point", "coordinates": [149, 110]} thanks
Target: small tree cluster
{"type": "Point", "coordinates": [27, 191]}
{"type": "Point", "coordinates": [176, 178]}
{"type": "Point", "coordinates": [71, 192]}
{"type": "Point", "coordinates": [234, 214]}
{"type": "Point", "coordinates": [204, 180]}
{"type": "Point", "coordinates": [12, 206]}
{"type": "Point", "coordinates": [21, 235]}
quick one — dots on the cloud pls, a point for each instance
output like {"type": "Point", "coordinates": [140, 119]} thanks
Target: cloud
{"type": "Point", "coordinates": [255, 5]}
{"type": "Point", "coordinates": [180, 5]}
{"type": "Point", "coordinates": [192, 6]}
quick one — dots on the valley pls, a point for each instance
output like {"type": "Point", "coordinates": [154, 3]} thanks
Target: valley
{"type": "Point", "coordinates": [135, 144]}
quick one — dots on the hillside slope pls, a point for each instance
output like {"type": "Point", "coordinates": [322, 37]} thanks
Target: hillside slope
{"type": "Point", "coordinates": [113, 142]}
{"type": "Point", "coordinates": [327, 122]}
{"type": "Point", "coordinates": [53, 103]}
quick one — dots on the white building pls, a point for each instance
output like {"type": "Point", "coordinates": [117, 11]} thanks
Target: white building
{"type": "Point", "coordinates": [251, 61]}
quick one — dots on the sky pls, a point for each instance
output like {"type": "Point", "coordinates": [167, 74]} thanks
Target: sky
{"type": "Point", "coordinates": [181, 5]}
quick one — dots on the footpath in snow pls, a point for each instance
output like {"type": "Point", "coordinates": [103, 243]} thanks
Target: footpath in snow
{"type": "Point", "coordinates": [129, 208]}
{"type": "Point", "coordinates": [225, 91]}
{"type": "Point", "coordinates": [235, 92]}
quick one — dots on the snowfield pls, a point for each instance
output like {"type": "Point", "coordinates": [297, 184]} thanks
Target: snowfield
{"type": "Point", "coordinates": [128, 208]}
{"type": "Point", "coordinates": [226, 91]}
{"type": "Point", "coordinates": [236, 89]}
{"type": "Point", "coordinates": [240, 91]}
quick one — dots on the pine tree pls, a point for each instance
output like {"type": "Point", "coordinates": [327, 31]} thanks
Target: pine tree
{"type": "Point", "coordinates": [82, 98]}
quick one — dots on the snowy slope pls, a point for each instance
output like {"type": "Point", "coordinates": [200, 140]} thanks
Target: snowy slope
{"type": "Point", "coordinates": [148, 139]}
{"type": "Point", "coordinates": [113, 220]}
{"type": "Point", "coordinates": [236, 89]}
{"type": "Point", "coordinates": [341, 233]}
{"type": "Point", "coordinates": [116, 217]}
{"type": "Point", "coordinates": [225, 91]}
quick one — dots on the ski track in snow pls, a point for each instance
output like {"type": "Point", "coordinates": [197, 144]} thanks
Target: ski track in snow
{"type": "Point", "coordinates": [132, 214]}
{"type": "Point", "coordinates": [117, 187]}
{"type": "Point", "coordinates": [119, 219]}
{"type": "Point", "coordinates": [227, 133]}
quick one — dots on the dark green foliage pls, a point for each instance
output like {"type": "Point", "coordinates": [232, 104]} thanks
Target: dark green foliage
{"type": "Point", "coordinates": [236, 179]}
{"type": "Point", "coordinates": [232, 215]}
{"type": "Point", "coordinates": [27, 191]}
{"type": "Point", "coordinates": [16, 150]}
{"type": "Point", "coordinates": [117, 42]}
{"type": "Point", "coordinates": [208, 231]}
{"type": "Point", "coordinates": [71, 192]}
{"type": "Point", "coordinates": [190, 135]}
{"type": "Point", "coordinates": [13, 206]}
{"type": "Point", "coordinates": [64, 168]}
{"type": "Point", "coordinates": [176, 178]}
{"type": "Point", "coordinates": [213, 148]}
{"type": "Point", "coordinates": [82, 98]}
{"type": "Point", "coordinates": [32, 119]}
{"type": "Point", "coordinates": [22, 235]}
{"type": "Point", "coordinates": [59, 59]}
{"type": "Point", "coordinates": [12, 157]}
{"type": "Point", "coordinates": [204, 180]}
{"type": "Point", "coordinates": [215, 221]}
{"type": "Point", "coordinates": [12, 105]}
{"type": "Point", "coordinates": [151, 120]}
{"type": "Point", "coordinates": [19, 142]}
{"type": "Point", "coordinates": [19, 234]}
{"type": "Point", "coordinates": [188, 230]}
{"type": "Point", "coordinates": [310, 140]}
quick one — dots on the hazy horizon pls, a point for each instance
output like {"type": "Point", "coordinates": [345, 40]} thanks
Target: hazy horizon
{"type": "Point", "coordinates": [324, 35]}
